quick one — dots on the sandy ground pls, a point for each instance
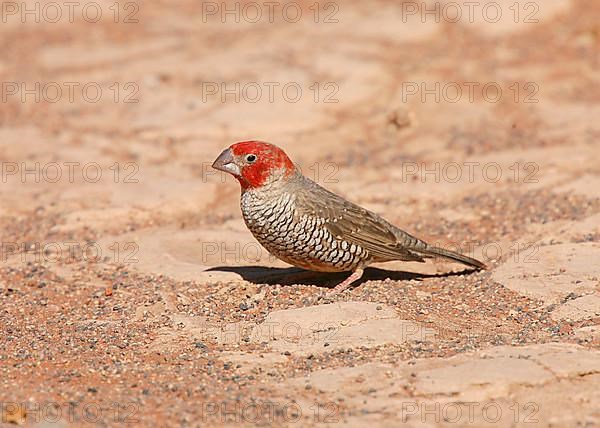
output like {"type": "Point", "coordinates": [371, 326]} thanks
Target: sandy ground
{"type": "Point", "coordinates": [132, 294]}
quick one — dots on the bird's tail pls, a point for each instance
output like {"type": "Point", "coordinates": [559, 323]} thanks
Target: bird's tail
{"type": "Point", "coordinates": [457, 257]}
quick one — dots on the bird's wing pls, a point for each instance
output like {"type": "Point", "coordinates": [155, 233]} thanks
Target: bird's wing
{"type": "Point", "coordinates": [356, 225]}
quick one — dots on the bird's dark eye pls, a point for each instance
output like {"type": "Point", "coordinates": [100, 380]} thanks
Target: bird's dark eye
{"type": "Point", "coordinates": [250, 158]}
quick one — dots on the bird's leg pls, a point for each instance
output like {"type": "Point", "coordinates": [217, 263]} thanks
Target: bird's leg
{"type": "Point", "coordinates": [356, 275]}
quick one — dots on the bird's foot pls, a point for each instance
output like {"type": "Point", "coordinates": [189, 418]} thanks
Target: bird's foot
{"type": "Point", "coordinates": [356, 275]}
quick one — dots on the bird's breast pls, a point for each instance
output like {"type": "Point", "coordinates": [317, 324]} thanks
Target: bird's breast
{"type": "Point", "coordinates": [299, 239]}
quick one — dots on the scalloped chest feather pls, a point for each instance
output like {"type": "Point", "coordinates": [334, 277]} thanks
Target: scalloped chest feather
{"type": "Point", "coordinates": [299, 239]}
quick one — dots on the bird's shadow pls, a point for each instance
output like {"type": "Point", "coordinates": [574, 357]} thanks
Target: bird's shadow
{"type": "Point", "coordinates": [293, 275]}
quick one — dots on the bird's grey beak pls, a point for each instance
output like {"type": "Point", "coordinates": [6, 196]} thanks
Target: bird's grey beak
{"type": "Point", "coordinates": [225, 162]}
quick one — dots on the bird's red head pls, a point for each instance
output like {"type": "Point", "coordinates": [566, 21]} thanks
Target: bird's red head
{"type": "Point", "coordinates": [255, 163]}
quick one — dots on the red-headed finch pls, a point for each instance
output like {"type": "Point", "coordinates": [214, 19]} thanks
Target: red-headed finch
{"type": "Point", "coordinates": [308, 226]}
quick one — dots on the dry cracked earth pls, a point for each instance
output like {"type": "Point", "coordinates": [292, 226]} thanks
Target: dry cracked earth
{"type": "Point", "coordinates": [132, 294]}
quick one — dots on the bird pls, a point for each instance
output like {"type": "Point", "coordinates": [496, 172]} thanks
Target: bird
{"type": "Point", "coordinates": [308, 226]}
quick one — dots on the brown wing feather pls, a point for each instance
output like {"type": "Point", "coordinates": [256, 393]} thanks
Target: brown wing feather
{"type": "Point", "coordinates": [356, 225]}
